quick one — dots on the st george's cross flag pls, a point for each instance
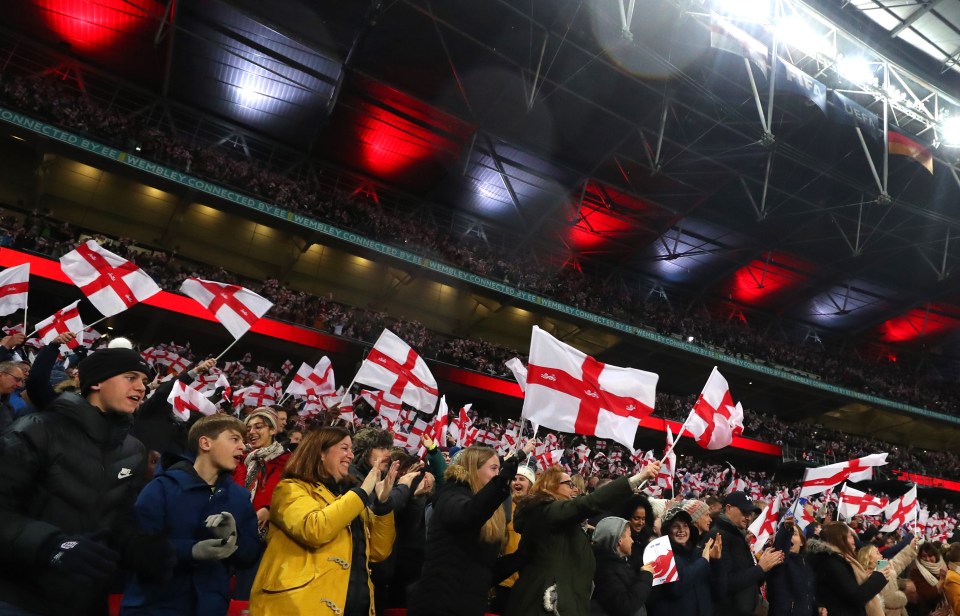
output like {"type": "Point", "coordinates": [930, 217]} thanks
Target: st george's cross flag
{"type": "Point", "coordinates": [659, 553]}
{"type": "Point", "coordinates": [669, 467]}
{"type": "Point", "coordinates": [715, 419]}
{"type": "Point", "coordinates": [316, 381]}
{"type": "Point", "coordinates": [110, 282]}
{"type": "Point", "coordinates": [854, 502]}
{"type": "Point", "coordinates": [67, 319]}
{"type": "Point", "coordinates": [235, 307]}
{"type": "Point", "coordinates": [765, 526]}
{"type": "Point", "coordinates": [184, 399]}
{"type": "Point", "coordinates": [817, 480]}
{"type": "Point", "coordinates": [570, 391]}
{"type": "Point", "coordinates": [13, 289]}
{"type": "Point", "coordinates": [394, 367]}
{"type": "Point", "coordinates": [901, 511]}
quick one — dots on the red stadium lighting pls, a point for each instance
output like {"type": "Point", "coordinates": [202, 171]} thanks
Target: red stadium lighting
{"type": "Point", "coordinates": [763, 280]}
{"type": "Point", "coordinates": [91, 26]}
{"type": "Point", "coordinates": [919, 323]}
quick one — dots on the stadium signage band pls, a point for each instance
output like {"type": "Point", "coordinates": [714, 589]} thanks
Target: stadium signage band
{"type": "Point", "coordinates": [238, 198]}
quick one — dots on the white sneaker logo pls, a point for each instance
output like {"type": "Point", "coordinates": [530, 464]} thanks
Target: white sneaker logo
{"type": "Point", "coordinates": [124, 473]}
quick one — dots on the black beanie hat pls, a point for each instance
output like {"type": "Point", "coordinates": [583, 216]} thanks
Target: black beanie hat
{"type": "Point", "coordinates": [106, 363]}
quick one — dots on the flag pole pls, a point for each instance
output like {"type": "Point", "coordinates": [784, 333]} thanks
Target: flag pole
{"type": "Point", "coordinates": [667, 453]}
{"type": "Point", "coordinates": [100, 320]}
{"type": "Point", "coordinates": [230, 346]}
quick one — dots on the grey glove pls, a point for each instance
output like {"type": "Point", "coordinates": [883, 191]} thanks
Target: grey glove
{"type": "Point", "coordinates": [214, 549]}
{"type": "Point", "coordinates": [222, 525]}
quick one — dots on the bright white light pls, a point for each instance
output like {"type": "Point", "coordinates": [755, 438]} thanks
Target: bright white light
{"type": "Point", "coordinates": [856, 69]}
{"type": "Point", "coordinates": [752, 10]}
{"type": "Point", "coordinates": [951, 131]}
{"type": "Point", "coordinates": [796, 32]}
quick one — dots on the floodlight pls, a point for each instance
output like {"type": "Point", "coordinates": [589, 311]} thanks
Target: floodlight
{"type": "Point", "coordinates": [752, 10]}
{"type": "Point", "coordinates": [796, 32]}
{"type": "Point", "coordinates": [950, 131]}
{"type": "Point", "coordinates": [856, 69]}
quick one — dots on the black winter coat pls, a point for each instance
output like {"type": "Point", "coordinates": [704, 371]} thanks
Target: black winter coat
{"type": "Point", "coordinates": [700, 583]}
{"type": "Point", "coordinates": [459, 568]}
{"type": "Point", "coordinates": [744, 576]}
{"type": "Point", "coordinates": [837, 588]}
{"type": "Point", "coordinates": [619, 589]}
{"type": "Point", "coordinates": [790, 586]}
{"type": "Point", "coordinates": [557, 550]}
{"type": "Point", "coordinates": [71, 469]}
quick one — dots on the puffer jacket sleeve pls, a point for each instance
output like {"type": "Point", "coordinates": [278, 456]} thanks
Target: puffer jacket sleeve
{"type": "Point", "coordinates": [20, 466]}
{"type": "Point", "coordinates": [562, 513]}
{"type": "Point", "coordinates": [295, 511]}
{"type": "Point", "coordinates": [382, 535]}
{"type": "Point", "coordinates": [458, 509]}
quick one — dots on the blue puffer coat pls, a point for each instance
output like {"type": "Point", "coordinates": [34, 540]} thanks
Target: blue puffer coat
{"type": "Point", "coordinates": [178, 502]}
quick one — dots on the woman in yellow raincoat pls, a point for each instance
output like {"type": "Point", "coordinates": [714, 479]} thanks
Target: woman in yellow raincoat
{"type": "Point", "coordinates": [322, 533]}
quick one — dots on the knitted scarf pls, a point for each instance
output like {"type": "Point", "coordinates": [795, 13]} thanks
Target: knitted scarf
{"type": "Point", "coordinates": [931, 571]}
{"type": "Point", "coordinates": [256, 463]}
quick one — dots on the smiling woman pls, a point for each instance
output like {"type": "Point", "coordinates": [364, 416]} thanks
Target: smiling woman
{"type": "Point", "coordinates": [322, 533]}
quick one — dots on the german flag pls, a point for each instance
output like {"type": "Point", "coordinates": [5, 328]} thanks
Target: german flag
{"type": "Point", "coordinates": [901, 145]}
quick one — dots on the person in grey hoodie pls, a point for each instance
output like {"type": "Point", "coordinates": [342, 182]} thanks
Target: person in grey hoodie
{"type": "Point", "coordinates": [619, 589]}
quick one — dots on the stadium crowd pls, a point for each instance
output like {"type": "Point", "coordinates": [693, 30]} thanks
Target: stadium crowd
{"type": "Point", "coordinates": [108, 490]}
{"type": "Point", "coordinates": [910, 379]}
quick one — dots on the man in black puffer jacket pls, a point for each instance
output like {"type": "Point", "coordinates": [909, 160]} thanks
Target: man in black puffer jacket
{"type": "Point", "coordinates": [69, 477]}
{"type": "Point", "coordinates": [744, 573]}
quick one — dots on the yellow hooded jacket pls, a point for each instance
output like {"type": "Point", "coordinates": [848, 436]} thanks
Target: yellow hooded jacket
{"type": "Point", "coordinates": [306, 567]}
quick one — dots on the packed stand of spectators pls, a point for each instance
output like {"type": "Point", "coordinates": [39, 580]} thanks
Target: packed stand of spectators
{"type": "Point", "coordinates": [907, 380]}
{"type": "Point", "coordinates": [249, 509]}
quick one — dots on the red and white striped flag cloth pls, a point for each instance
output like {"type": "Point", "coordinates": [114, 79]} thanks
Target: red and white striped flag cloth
{"type": "Point", "coordinates": [669, 467]}
{"type": "Point", "coordinates": [89, 336]}
{"type": "Point", "coordinates": [462, 428]}
{"type": "Point", "coordinates": [208, 380]}
{"type": "Point", "coordinates": [13, 289]}
{"type": "Point", "coordinates": [854, 502]}
{"type": "Point", "coordinates": [547, 458]}
{"type": "Point", "coordinates": [382, 401]}
{"type": "Point", "coordinates": [110, 282]}
{"type": "Point", "coordinates": [235, 307]}
{"type": "Point", "coordinates": [226, 390]}
{"type": "Point", "coordinates": [659, 553]}
{"type": "Point", "coordinates": [817, 480]}
{"type": "Point", "coordinates": [570, 391]}
{"type": "Point", "coordinates": [901, 511]}
{"type": "Point", "coordinates": [346, 406]}
{"type": "Point", "coordinates": [256, 395]}
{"type": "Point", "coordinates": [715, 419]}
{"type": "Point", "coordinates": [764, 527]}
{"type": "Point", "coordinates": [16, 329]}
{"type": "Point", "coordinates": [67, 319]}
{"type": "Point", "coordinates": [316, 381]}
{"type": "Point", "coordinates": [393, 366]}
{"type": "Point", "coordinates": [286, 367]}
{"type": "Point", "coordinates": [438, 427]}
{"type": "Point", "coordinates": [184, 399]}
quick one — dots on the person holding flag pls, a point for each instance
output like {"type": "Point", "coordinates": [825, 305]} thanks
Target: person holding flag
{"type": "Point", "coordinates": [701, 568]}
{"type": "Point", "coordinates": [745, 573]}
{"type": "Point", "coordinates": [558, 553]}
{"type": "Point", "coordinates": [619, 589]}
{"type": "Point", "coordinates": [790, 586]}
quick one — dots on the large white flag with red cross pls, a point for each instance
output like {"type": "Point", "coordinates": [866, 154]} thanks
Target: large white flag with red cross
{"type": "Point", "coordinates": [13, 289]}
{"type": "Point", "coordinates": [393, 366]}
{"type": "Point", "coordinates": [235, 307]}
{"type": "Point", "coordinates": [817, 480]}
{"type": "Point", "coordinates": [764, 527]}
{"type": "Point", "coordinates": [570, 391]}
{"type": "Point", "coordinates": [901, 511]}
{"type": "Point", "coordinates": [67, 319]}
{"type": "Point", "coordinates": [715, 419]}
{"type": "Point", "coordinates": [854, 502]}
{"type": "Point", "coordinates": [110, 282]}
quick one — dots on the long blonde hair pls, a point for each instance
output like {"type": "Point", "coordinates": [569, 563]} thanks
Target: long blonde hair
{"type": "Point", "coordinates": [468, 461]}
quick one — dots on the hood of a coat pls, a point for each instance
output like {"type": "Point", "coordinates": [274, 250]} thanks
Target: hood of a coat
{"type": "Point", "coordinates": [606, 537]}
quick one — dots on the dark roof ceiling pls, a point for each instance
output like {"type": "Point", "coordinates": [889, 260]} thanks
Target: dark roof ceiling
{"type": "Point", "coordinates": [643, 152]}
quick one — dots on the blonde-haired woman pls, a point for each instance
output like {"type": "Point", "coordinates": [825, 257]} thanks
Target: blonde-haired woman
{"type": "Point", "coordinates": [894, 600]}
{"type": "Point", "coordinates": [559, 564]}
{"type": "Point", "coordinates": [465, 537]}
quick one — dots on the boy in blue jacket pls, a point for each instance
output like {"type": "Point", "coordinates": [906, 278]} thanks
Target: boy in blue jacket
{"type": "Point", "coordinates": [209, 520]}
